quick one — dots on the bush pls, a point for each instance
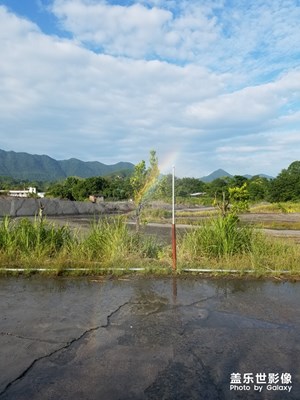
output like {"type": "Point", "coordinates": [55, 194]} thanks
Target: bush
{"type": "Point", "coordinates": [218, 237]}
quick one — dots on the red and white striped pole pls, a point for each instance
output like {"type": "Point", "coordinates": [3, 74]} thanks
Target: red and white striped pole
{"type": "Point", "coordinates": [173, 221]}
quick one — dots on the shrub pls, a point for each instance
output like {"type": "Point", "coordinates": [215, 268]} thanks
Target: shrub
{"type": "Point", "coordinates": [218, 237]}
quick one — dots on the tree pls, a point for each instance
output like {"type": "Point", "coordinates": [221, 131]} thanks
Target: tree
{"type": "Point", "coordinates": [239, 199]}
{"type": "Point", "coordinates": [286, 186]}
{"type": "Point", "coordinates": [187, 186]}
{"type": "Point", "coordinates": [118, 188]}
{"type": "Point", "coordinates": [222, 203]}
{"type": "Point", "coordinates": [237, 181]}
{"type": "Point", "coordinates": [235, 202]}
{"type": "Point", "coordinates": [258, 188]}
{"type": "Point", "coordinates": [78, 189]}
{"type": "Point", "coordinates": [63, 190]}
{"type": "Point", "coordinates": [143, 183]}
{"type": "Point", "coordinates": [164, 187]}
{"type": "Point", "coordinates": [83, 188]}
{"type": "Point", "coordinates": [217, 187]}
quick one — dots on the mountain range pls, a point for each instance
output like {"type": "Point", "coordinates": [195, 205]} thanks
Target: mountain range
{"type": "Point", "coordinates": [220, 173]}
{"type": "Point", "coordinates": [24, 166]}
{"type": "Point", "coordinates": [32, 167]}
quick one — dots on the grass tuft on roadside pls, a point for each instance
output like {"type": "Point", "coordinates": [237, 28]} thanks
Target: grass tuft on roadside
{"type": "Point", "coordinates": [221, 243]}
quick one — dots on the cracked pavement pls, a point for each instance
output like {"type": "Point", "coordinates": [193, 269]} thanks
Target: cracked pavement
{"type": "Point", "coordinates": [144, 338]}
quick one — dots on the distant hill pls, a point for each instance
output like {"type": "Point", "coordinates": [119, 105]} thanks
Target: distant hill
{"type": "Point", "coordinates": [220, 173]}
{"type": "Point", "coordinates": [86, 169]}
{"type": "Point", "coordinates": [26, 166]}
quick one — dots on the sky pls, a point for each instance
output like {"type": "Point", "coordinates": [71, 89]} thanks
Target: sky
{"type": "Point", "coordinates": [208, 84]}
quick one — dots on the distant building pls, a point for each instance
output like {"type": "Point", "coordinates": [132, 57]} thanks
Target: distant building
{"type": "Point", "coordinates": [25, 193]}
{"type": "Point", "coordinates": [96, 198]}
{"type": "Point", "coordinates": [198, 194]}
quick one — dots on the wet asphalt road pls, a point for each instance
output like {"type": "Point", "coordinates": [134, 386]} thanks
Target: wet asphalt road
{"type": "Point", "coordinates": [147, 338]}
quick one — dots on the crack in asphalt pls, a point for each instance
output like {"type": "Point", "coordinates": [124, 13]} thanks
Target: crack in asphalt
{"type": "Point", "coordinates": [66, 346]}
{"type": "Point", "coordinates": [86, 332]}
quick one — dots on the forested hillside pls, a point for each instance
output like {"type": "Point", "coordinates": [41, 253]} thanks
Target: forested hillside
{"type": "Point", "coordinates": [28, 167]}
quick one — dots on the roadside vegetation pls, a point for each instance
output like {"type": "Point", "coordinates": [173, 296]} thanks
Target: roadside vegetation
{"type": "Point", "coordinates": [110, 247]}
{"type": "Point", "coordinates": [221, 243]}
{"type": "Point", "coordinates": [41, 244]}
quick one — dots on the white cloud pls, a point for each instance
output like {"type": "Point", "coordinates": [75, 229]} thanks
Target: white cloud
{"type": "Point", "coordinates": [59, 97]}
{"type": "Point", "coordinates": [249, 107]}
{"type": "Point", "coordinates": [138, 30]}
{"type": "Point", "coordinates": [115, 29]}
{"type": "Point", "coordinates": [256, 38]}
{"type": "Point", "coordinates": [103, 103]}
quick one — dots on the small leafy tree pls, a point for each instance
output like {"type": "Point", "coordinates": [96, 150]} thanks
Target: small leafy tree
{"type": "Point", "coordinates": [222, 234]}
{"type": "Point", "coordinates": [233, 202]}
{"type": "Point", "coordinates": [239, 199]}
{"type": "Point", "coordinates": [143, 181]}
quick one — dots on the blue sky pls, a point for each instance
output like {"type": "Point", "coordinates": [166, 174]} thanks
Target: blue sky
{"type": "Point", "coordinates": [207, 84]}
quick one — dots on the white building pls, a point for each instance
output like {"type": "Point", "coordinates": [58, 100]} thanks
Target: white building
{"type": "Point", "coordinates": [25, 193]}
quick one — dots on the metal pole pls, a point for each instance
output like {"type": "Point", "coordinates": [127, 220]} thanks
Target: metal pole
{"type": "Point", "coordinates": [173, 221]}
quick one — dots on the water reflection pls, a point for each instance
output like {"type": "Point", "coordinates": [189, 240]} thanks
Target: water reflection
{"type": "Point", "coordinates": [174, 289]}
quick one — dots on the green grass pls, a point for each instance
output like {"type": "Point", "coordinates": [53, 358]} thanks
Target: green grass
{"type": "Point", "coordinates": [32, 240]}
{"type": "Point", "coordinates": [285, 207]}
{"type": "Point", "coordinates": [195, 217]}
{"type": "Point", "coordinates": [39, 244]}
{"type": "Point", "coordinates": [278, 225]}
{"type": "Point", "coordinates": [219, 237]}
{"type": "Point", "coordinates": [223, 244]}
{"type": "Point", "coordinates": [220, 243]}
{"type": "Point", "coordinates": [182, 217]}
{"type": "Point", "coordinates": [155, 215]}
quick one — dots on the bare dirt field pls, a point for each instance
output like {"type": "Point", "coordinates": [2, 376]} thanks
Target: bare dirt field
{"type": "Point", "coordinates": [163, 230]}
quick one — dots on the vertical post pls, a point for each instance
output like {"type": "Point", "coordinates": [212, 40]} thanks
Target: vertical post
{"type": "Point", "coordinates": [173, 221]}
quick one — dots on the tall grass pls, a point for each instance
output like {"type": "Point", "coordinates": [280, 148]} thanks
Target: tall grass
{"type": "Point", "coordinates": [219, 243]}
{"type": "Point", "coordinates": [108, 240]}
{"type": "Point", "coordinates": [24, 238]}
{"type": "Point", "coordinates": [39, 243]}
{"type": "Point", "coordinates": [111, 243]}
{"type": "Point", "coordinates": [223, 243]}
{"type": "Point", "coordinates": [218, 237]}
